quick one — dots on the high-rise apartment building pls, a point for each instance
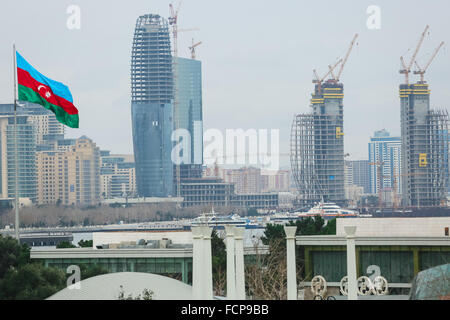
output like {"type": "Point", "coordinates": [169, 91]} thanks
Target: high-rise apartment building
{"type": "Point", "coordinates": [357, 174]}
{"type": "Point", "coordinates": [152, 106]}
{"type": "Point", "coordinates": [279, 181]}
{"type": "Point", "coordinates": [385, 158]}
{"type": "Point", "coordinates": [47, 127]}
{"type": "Point", "coordinates": [26, 158]}
{"type": "Point", "coordinates": [70, 177]}
{"type": "Point", "coordinates": [245, 180]}
{"type": "Point", "coordinates": [117, 175]}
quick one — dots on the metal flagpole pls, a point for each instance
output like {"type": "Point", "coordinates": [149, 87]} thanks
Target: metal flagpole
{"type": "Point", "coordinates": [16, 206]}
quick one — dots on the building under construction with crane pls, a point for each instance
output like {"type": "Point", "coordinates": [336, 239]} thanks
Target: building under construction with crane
{"type": "Point", "coordinates": [317, 142]}
{"type": "Point", "coordinates": [425, 139]}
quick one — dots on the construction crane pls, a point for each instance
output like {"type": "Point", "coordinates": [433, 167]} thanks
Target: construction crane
{"type": "Point", "coordinates": [319, 80]}
{"type": "Point", "coordinates": [192, 48]}
{"type": "Point", "coordinates": [173, 21]}
{"type": "Point", "coordinates": [422, 71]}
{"type": "Point", "coordinates": [407, 67]}
{"type": "Point", "coordinates": [352, 44]}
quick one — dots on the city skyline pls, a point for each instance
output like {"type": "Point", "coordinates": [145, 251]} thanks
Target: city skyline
{"type": "Point", "coordinates": [289, 59]}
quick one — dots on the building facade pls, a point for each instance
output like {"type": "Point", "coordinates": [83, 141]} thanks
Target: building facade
{"type": "Point", "coordinates": [385, 158]}
{"type": "Point", "coordinates": [189, 77]}
{"type": "Point", "coordinates": [26, 158]}
{"type": "Point", "coordinates": [279, 181]}
{"type": "Point", "coordinates": [152, 106]}
{"type": "Point", "coordinates": [317, 146]}
{"type": "Point", "coordinates": [117, 175]}
{"type": "Point", "coordinates": [245, 180]}
{"type": "Point", "coordinates": [424, 148]}
{"type": "Point", "coordinates": [71, 177]}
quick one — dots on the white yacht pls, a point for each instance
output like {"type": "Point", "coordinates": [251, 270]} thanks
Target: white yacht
{"type": "Point", "coordinates": [212, 220]}
{"type": "Point", "coordinates": [329, 210]}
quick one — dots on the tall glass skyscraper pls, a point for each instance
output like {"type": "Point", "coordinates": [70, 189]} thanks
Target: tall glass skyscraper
{"type": "Point", "coordinates": [152, 106]}
{"type": "Point", "coordinates": [190, 113]}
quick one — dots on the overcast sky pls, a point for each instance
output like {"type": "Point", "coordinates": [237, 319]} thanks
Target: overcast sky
{"type": "Point", "coordinates": [257, 56]}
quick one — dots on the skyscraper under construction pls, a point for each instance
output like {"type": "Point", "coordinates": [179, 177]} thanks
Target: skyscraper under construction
{"type": "Point", "coordinates": [424, 140]}
{"type": "Point", "coordinates": [152, 98]}
{"type": "Point", "coordinates": [317, 142]}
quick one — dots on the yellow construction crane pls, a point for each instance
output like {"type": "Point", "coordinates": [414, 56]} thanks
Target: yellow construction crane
{"type": "Point", "coordinates": [407, 67]}
{"type": "Point", "coordinates": [422, 71]}
{"type": "Point", "coordinates": [192, 48]}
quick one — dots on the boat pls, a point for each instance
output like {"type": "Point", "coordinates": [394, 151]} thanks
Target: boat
{"type": "Point", "coordinates": [329, 210]}
{"type": "Point", "coordinates": [219, 222]}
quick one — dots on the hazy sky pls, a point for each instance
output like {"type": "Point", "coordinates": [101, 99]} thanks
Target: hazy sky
{"type": "Point", "coordinates": [257, 56]}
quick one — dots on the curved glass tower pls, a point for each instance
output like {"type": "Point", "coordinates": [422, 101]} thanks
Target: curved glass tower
{"type": "Point", "coordinates": [152, 106]}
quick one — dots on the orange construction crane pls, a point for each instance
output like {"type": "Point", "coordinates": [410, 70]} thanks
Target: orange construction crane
{"type": "Point", "coordinates": [192, 48]}
{"type": "Point", "coordinates": [422, 71]}
{"type": "Point", "coordinates": [407, 67]}
{"type": "Point", "coordinates": [319, 80]}
{"type": "Point", "coordinates": [352, 44]}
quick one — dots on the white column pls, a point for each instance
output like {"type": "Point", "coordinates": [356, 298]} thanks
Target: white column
{"type": "Point", "coordinates": [240, 271]}
{"type": "Point", "coordinates": [207, 264]}
{"type": "Point", "coordinates": [290, 261]}
{"type": "Point", "coordinates": [351, 263]}
{"type": "Point", "coordinates": [231, 267]}
{"type": "Point", "coordinates": [197, 263]}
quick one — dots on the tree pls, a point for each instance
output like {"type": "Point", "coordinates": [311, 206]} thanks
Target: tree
{"type": "Point", "coordinates": [219, 263]}
{"type": "Point", "coordinates": [91, 271]}
{"type": "Point", "coordinates": [32, 281]}
{"type": "Point", "coordinates": [272, 233]}
{"type": "Point", "coordinates": [85, 243]}
{"type": "Point", "coordinates": [65, 245]}
{"type": "Point", "coordinates": [146, 295]}
{"type": "Point", "coordinates": [330, 228]}
{"type": "Point", "coordinates": [12, 254]}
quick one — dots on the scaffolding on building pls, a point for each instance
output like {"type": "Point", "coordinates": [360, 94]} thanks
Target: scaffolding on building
{"type": "Point", "coordinates": [317, 147]}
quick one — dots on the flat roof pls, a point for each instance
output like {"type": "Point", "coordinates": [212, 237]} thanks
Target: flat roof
{"type": "Point", "coordinates": [372, 241]}
{"type": "Point", "coordinates": [90, 253]}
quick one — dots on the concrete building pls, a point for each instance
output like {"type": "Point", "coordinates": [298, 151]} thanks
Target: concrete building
{"type": "Point", "coordinates": [317, 146]}
{"type": "Point", "coordinates": [117, 175]}
{"type": "Point", "coordinates": [71, 177]}
{"type": "Point", "coordinates": [245, 180]}
{"type": "Point", "coordinates": [152, 98]}
{"type": "Point", "coordinates": [385, 156]}
{"type": "Point", "coordinates": [357, 174]}
{"type": "Point", "coordinates": [279, 181]}
{"type": "Point", "coordinates": [424, 147]}
{"type": "Point", "coordinates": [218, 193]}
{"type": "Point", "coordinates": [206, 192]}
{"type": "Point", "coordinates": [26, 157]}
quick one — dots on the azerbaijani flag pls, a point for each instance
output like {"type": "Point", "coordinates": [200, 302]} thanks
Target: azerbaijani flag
{"type": "Point", "coordinates": [34, 87]}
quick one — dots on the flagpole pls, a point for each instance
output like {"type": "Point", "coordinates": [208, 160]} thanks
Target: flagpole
{"type": "Point", "coordinates": [16, 196]}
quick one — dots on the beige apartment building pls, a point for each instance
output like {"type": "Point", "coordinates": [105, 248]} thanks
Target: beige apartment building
{"type": "Point", "coordinates": [70, 177]}
{"type": "Point", "coordinates": [117, 175]}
